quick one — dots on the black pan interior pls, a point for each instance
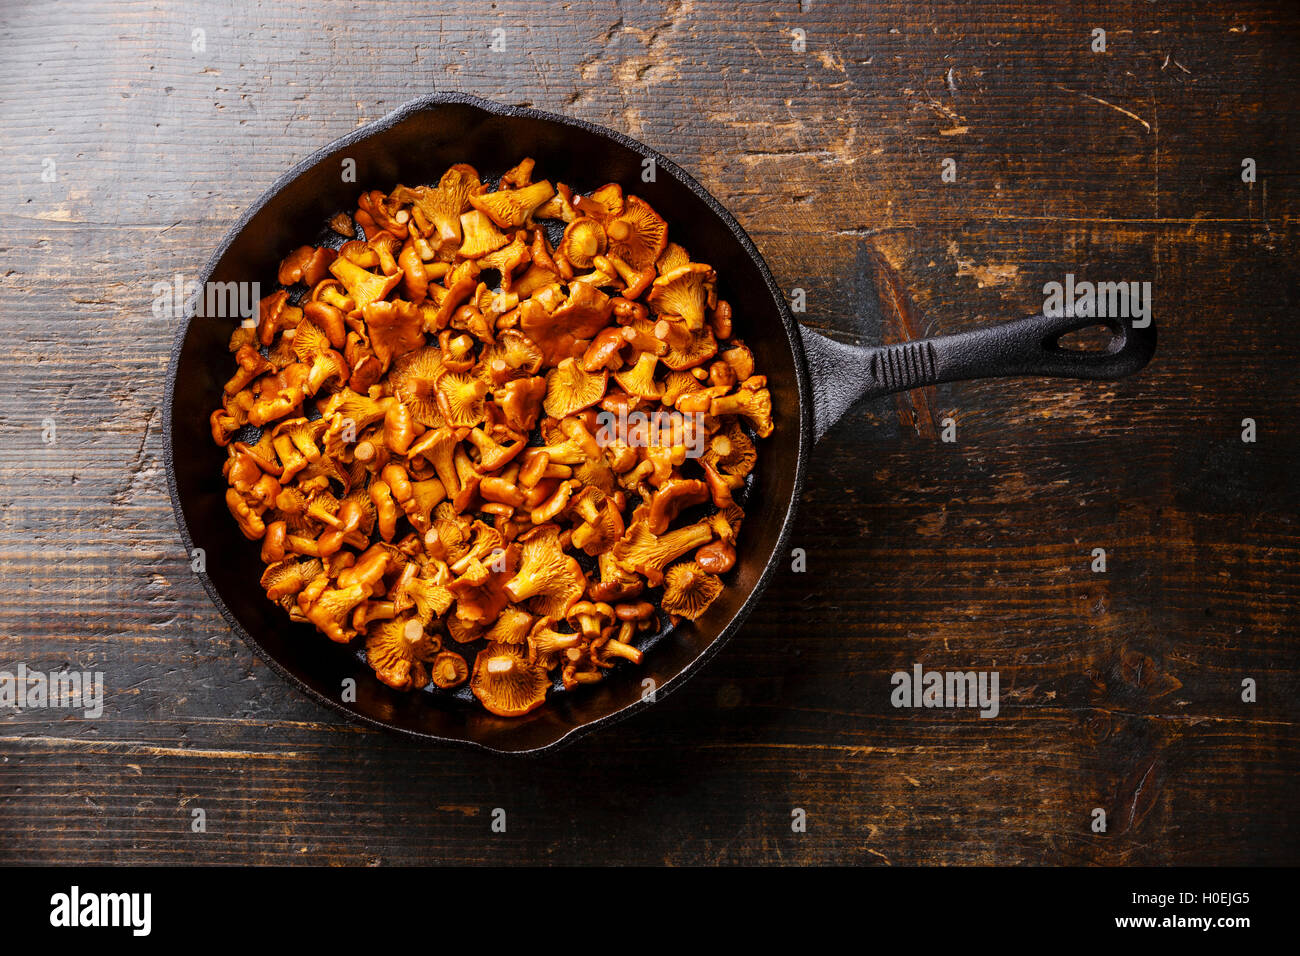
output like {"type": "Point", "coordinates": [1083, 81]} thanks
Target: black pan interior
{"type": "Point", "coordinates": [414, 146]}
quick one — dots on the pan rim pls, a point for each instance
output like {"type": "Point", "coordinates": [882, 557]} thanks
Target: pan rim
{"type": "Point", "coordinates": [804, 430]}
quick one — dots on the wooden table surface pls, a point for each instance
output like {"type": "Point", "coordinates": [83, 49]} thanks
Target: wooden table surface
{"type": "Point", "coordinates": [1120, 691]}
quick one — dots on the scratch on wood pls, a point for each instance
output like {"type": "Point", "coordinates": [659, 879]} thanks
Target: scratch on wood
{"type": "Point", "coordinates": [1098, 99]}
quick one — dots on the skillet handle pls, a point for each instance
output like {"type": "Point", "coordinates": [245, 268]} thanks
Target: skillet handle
{"type": "Point", "coordinates": [1021, 347]}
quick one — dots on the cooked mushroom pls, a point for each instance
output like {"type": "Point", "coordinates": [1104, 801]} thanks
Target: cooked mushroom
{"type": "Point", "coordinates": [330, 611]}
{"type": "Point", "coordinates": [731, 451]}
{"type": "Point", "coordinates": [640, 378]}
{"type": "Point", "coordinates": [520, 402]}
{"type": "Point", "coordinates": [438, 448]}
{"type": "Point", "coordinates": [414, 381]}
{"type": "Point", "coordinates": [508, 259]}
{"type": "Point", "coordinates": [506, 682]}
{"type": "Point", "coordinates": [637, 235]}
{"type": "Point", "coordinates": [510, 208]}
{"type": "Point", "coordinates": [673, 257]}
{"type": "Point", "coordinates": [646, 553]}
{"type": "Point", "coordinates": [511, 626]}
{"type": "Point", "coordinates": [306, 264]}
{"type": "Point", "coordinates": [674, 496]}
{"type": "Point", "coordinates": [289, 576]}
{"type": "Point", "coordinates": [602, 523]}
{"type": "Point", "coordinates": [460, 397]}
{"type": "Point", "coordinates": [682, 293]}
{"type": "Point", "coordinates": [363, 287]}
{"type": "Point", "coordinates": [395, 328]}
{"type": "Point", "coordinates": [677, 384]}
{"type": "Point", "coordinates": [548, 575]}
{"type": "Point", "coordinates": [569, 389]}
{"type": "Point", "coordinates": [275, 315]}
{"type": "Point", "coordinates": [696, 349]}
{"type": "Point", "coordinates": [689, 590]}
{"type": "Point", "coordinates": [635, 281]}
{"type": "Point", "coordinates": [546, 645]}
{"type": "Point", "coordinates": [441, 207]}
{"type": "Point", "coordinates": [752, 401]}
{"type": "Point", "coordinates": [431, 599]}
{"type": "Point", "coordinates": [584, 239]}
{"type": "Point", "coordinates": [400, 650]}
{"type": "Point", "coordinates": [435, 445]}
{"type": "Point", "coordinates": [449, 670]}
{"type": "Point", "coordinates": [481, 236]}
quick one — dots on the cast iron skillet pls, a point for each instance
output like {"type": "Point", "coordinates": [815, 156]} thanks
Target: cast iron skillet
{"type": "Point", "coordinates": [813, 380]}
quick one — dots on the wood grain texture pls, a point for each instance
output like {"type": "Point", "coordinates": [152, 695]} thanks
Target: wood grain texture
{"type": "Point", "coordinates": [1120, 690]}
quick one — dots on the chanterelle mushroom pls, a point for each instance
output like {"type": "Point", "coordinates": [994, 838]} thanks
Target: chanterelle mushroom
{"type": "Point", "coordinates": [395, 328]}
{"type": "Point", "coordinates": [511, 627]}
{"type": "Point", "coordinates": [552, 578]}
{"type": "Point", "coordinates": [480, 235]}
{"type": "Point", "coordinates": [602, 523]}
{"type": "Point", "coordinates": [442, 207]}
{"type": "Point", "coordinates": [330, 611]}
{"type": "Point", "coordinates": [674, 496]}
{"type": "Point", "coordinates": [460, 398]}
{"type": "Point", "coordinates": [584, 313]}
{"type": "Point", "coordinates": [510, 208]}
{"type": "Point", "coordinates": [646, 553]}
{"type": "Point", "coordinates": [569, 389]}
{"type": "Point", "coordinates": [682, 293]}
{"type": "Point", "coordinates": [436, 459]}
{"type": "Point", "coordinates": [431, 599]}
{"type": "Point", "coordinates": [689, 590]}
{"type": "Point", "coordinates": [584, 239]}
{"type": "Point", "coordinates": [363, 287]}
{"type": "Point", "coordinates": [546, 644]}
{"type": "Point", "coordinates": [414, 381]}
{"type": "Point", "coordinates": [637, 235]}
{"type": "Point", "coordinates": [449, 670]}
{"type": "Point", "coordinates": [507, 682]}
{"type": "Point", "coordinates": [640, 378]}
{"type": "Point", "coordinates": [731, 451]}
{"type": "Point", "coordinates": [399, 650]}
{"type": "Point", "coordinates": [751, 401]}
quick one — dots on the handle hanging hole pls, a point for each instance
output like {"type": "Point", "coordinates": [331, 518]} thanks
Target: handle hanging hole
{"type": "Point", "coordinates": [1099, 338]}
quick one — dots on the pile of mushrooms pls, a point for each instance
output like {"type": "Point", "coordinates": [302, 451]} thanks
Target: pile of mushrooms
{"type": "Point", "coordinates": [431, 463]}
